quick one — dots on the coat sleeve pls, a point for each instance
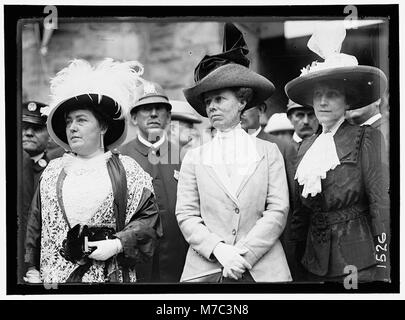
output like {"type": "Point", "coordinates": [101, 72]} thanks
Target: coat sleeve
{"type": "Point", "coordinates": [188, 213]}
{"type": "Point", "coordinates": [269, 227]}
{"type": "Point", "coordinates": [140, 235]}
{"type": "Point", "coordinates": [375, 175]}
{"type": "Point", "coordinates": [33, 235]}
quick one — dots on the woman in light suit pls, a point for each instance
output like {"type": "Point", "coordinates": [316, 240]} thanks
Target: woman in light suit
{"type": "Point", "coordinates": [232, 199]}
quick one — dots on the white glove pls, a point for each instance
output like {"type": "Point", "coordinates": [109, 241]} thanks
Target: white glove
{"type": "Point", "coordinates": [32, 276]}
{"type": "Point", "coordinates": [105, 249]}
{"type": "Point", "coordinates": [231, 259]}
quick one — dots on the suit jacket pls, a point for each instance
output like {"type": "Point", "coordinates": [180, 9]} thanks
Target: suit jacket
{"type": "Point", "coordinates": [26, 189]}
{"type": "Point", "coordinates": [293, 249]}
{"type": "Point", "coordinates": [253, 218]}
{"type": "Point", "coordinates": [282, 146]}
{"type": "Point", "coordinates": [357, 185]}
{"type": "Point", "coordinates": [382, 125]}
{"type": "Point", "coordinates": [38, 167]}
{"type": "Point", "coordinates": [169, 259]}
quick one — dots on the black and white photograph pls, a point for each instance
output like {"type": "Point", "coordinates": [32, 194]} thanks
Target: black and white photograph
{"type": "Point", "coordinates": [242, 149]}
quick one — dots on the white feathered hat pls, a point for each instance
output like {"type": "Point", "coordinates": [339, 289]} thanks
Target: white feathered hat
{"type": "Point", "coordinates": [109, 89]}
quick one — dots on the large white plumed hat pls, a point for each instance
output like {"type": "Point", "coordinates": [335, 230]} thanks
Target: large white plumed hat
{"type": "Point", "coordinates": [108, 89]}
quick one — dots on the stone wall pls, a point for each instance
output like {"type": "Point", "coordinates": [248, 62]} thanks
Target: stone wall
{"type": "Point", "coordinates": [168, 51]}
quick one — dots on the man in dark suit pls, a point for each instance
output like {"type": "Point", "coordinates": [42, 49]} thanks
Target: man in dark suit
{"type": "Point", "coordinates": [161, 159]}
{"type": "Point", "coordinates": [250, 122]}
{"type": "Point", "coordinates": [26, 192]}
{"type": "Point", "coordinates": [371, 115]}
{"type": "Point", "coordinates": [35, 138]}
{"type": "Point", "coordinates": [305, 125]}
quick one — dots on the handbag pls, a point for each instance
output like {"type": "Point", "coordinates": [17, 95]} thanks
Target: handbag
{"type": "Point", "coordinates": [212, 276]}
{"type": "Point", "coordinates": [75, 247]}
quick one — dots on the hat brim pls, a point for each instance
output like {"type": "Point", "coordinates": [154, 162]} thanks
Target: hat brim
{"type": "Point", "coordinates": [117, 127]}
{"type": "Point", "coordinates": [187, 117]}
{"type": "Point", "coordinates": [39, 121]}
{"type": "Point", "coordinates": [297, 107]}
{"type": "Point", "coordinates": [228, 76]}
{"type": "Point", "coordinates": [367, 84]}
{"type": "Point", "coordinates": [152, 100]}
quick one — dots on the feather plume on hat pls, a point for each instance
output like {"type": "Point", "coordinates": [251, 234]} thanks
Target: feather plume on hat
{"type": "Point", "coordinates": [117, 80]}
{"type": "Point", "coordinates": [111, 87]}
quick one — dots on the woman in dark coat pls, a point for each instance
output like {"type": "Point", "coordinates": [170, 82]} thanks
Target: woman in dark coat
{"type": "Point", "coordinates": [342, 201]}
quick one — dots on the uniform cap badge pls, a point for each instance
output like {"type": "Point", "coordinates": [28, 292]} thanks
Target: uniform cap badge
{"type": "Point", "coordinates": [32, 106]}
{"type": "Point", "coordinates": [42, 163]}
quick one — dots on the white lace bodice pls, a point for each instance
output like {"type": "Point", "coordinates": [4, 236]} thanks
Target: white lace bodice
{"type": "Point", "coordinates": [86, 186]}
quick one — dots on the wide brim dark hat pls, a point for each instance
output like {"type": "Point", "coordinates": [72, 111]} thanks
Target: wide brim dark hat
{"type": "Point", "coordinates": [31, 113]}
{"type": "Point", "coordinates": [363, 84]}
{"type": "Point", "coordinates": [106, 107]}
{"type": "Point", "coordinates": [229, 76]}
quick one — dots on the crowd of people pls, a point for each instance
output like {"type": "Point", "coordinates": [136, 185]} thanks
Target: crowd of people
{"type": "Point", "coordinates": [298, 199]}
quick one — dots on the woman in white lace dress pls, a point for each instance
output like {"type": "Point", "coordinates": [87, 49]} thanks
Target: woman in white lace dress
{"type": "Point", "coordinates": [91, 186]}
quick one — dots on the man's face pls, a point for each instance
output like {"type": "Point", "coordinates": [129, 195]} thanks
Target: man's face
{"type": "Point", "coordinates": [223, 108]}
{"type": "Point", "coordinates": [304, 121]}
{"type": "Point", "coordinates": [151, 119]}
{"type": "Point", "coordinates": [34, 138]}
{"type": "Point", "coordinates": [250, 119]}
{"type": "Point", "coordinates": [183, 133]}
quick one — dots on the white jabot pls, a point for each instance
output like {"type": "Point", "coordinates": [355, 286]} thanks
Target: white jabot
{"type": "Point", "coordinates": [373, 119]}
{"type": "Point", "coordinates": [232, 154]}
{"type": "Point", "coordinates": [86, 186]}
{"type": "Point", "coordinates": [296, 137]}
{"type": "Point", "coordinates": [37, 157]}
{"type": "Point", "coordinates": [155, 145]}
{"type": "Point", "coordinates": [317, 161]}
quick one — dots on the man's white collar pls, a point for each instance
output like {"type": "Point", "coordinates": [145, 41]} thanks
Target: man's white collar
{"type": "Point", "coordinates": [37, 157]}
{"type": "Point", "coordinates": [296, 137]}
{"type": "Point", "coordinates": [373, 119]}
{"type": "Point", "coordinates": [155, 145]}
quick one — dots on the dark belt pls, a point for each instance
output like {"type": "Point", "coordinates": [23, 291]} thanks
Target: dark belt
{"type": "Point", "coordinates": [322, 220]}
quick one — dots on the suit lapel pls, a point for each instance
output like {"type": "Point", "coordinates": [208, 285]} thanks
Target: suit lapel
{"type": "Point", "coordinates": [211, 162]}
{"type": "Point", "coordinates": [250, 171]}
{"type": "Point", "coordinates": [220, 177]}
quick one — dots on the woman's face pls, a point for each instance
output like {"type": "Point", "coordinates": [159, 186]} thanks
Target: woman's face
{"type": "Point", "coordinates": [223, 108]}
{"type": "Point", "coordinates": [329, 103]}
{"type": "Point", "coordinates": [83, 132]}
